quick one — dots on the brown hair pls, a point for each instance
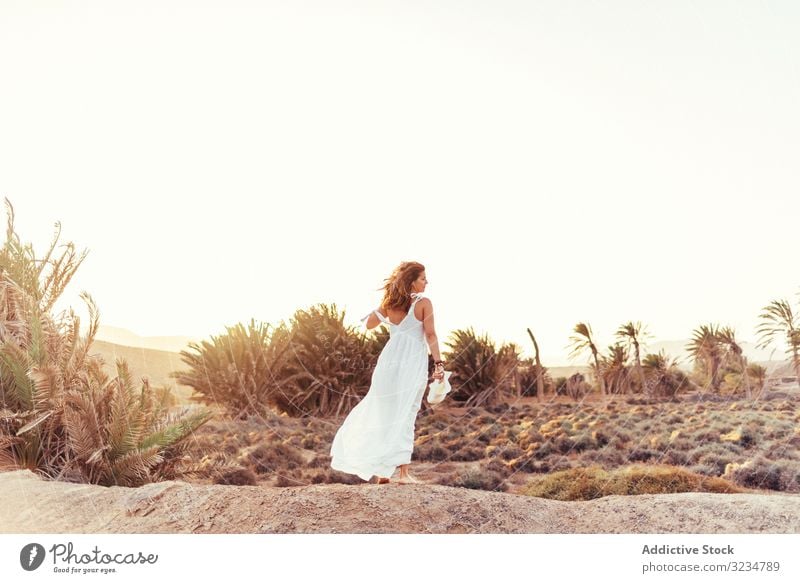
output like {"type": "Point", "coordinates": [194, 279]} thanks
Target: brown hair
{"type": "Point", "coordinates": [397, 289]}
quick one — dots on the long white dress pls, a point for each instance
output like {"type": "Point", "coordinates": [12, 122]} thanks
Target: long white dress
{"type": "Point", "coordinates": [378, 433]}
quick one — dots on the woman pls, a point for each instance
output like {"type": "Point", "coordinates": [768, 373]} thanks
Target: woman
{"type": "Point", "coordinates": [378, 434]}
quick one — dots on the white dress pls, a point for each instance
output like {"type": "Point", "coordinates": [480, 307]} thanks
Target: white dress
{"type": "Point", "coordinates": [378, 433]}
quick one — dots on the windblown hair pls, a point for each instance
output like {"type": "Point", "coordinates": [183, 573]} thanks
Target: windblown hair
{"type": "Point", "coordinates": [397, 290]}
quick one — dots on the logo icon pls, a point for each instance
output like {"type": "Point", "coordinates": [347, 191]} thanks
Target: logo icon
{"type": "Point", "coordinates": [31, 556]}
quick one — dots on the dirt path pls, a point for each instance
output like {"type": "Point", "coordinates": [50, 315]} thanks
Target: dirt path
{"type": "Point", "coordinates": [29, 504]}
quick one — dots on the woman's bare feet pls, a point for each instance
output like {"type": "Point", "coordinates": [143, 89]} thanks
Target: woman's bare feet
{"type": "Point", "coordinates": [407, 479]}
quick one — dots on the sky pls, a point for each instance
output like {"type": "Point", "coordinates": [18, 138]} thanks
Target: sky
{"type": "Point", "coordinates": [548, 162]}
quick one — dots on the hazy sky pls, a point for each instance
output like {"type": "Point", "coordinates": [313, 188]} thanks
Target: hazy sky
{"type": "Point", "coordinates": [549, 162]}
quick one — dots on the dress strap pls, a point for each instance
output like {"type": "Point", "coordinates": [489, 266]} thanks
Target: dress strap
{"type": "Point", "coordinates": [414, 297]}
{"type": "Point", "coordinates": [381, 317]}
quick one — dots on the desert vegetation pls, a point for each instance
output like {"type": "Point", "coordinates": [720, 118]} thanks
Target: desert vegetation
{"type": "Point", "coordinates": [62, 413]}
{"type": "Point", "coordinates": [634, 446]}
{"type": "Point", "coordinates": [268, 398]}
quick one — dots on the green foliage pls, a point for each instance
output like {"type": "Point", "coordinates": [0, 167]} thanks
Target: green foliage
{"type": "Point", "coordinates": [482, 373]}
{"type": "Point", "coordinates": [663, 377]}
{"type": "Point", "coordinates": [314, 365]}
{"type": "Point", "coordinates": [61, 415]}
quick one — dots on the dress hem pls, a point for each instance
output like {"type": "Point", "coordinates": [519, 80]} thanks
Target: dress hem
{"type": "Point", "coordinates": [383, 470]}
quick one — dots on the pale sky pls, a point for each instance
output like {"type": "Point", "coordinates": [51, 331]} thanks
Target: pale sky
{"type": "Point", "coordinates": [549, 162]}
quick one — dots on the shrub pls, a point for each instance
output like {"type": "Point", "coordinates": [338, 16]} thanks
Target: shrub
{"type": "Point", "coordinates": [743, 436]}
{"type": "Point", "coordinates": [588, 483]}
{"type": "Point", "coordinates": [467, 454]}
{"type": "Point", "coordinates": [606, 457]}
{"type": "Point", "coordinates": [544, 450]}
{"type": "Point", "coordinates": [601, 438]}
{"type": "Point", "coordinates": [320, 461]}
{"type": "Point", "coordinates": [274, 457]}
{"type": "Point", "coordinates": [720, 449]}
{"type": "Point", "coordinates": [482, 373]}
{"type": "Point", "coordinates": [237, 476]}
{"type": "Point", "coordinates": [510, 452]}
{"type": "Point", "coordinates": [563, 444]}
{"type": "Point", "coordinates": [432, 450]}
{"type": "Point", "coordinates": [529, 437]}
{"type": "Point", "coordinates": [285, 480]}
{"type": "Point", "coordinates": [582, 442]}
{"type": "Point", "coordinates": [499, 467]}
{"type": "Point", "coordinates": [675, 457]}
{"type": "Point", "coordinates": [475, 479]}
{"type": "Point", "coordinates": [763, 473]}
{"type": "Point", "coordinates": [314, 365]}
{"type": "Point", "coordinates": [336, 477]}
{"type": "Point", "coordinates": [717, 462]}
{"type": "Point", "coordinates": [641, 454]}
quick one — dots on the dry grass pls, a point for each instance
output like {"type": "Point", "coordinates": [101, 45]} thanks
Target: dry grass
{"type": "Point", "coordinates": [588, 483]}
{"type": "Point", "coordinates": [751, 446]}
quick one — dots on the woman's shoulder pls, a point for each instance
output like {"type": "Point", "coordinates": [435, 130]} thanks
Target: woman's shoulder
{"type": "Point", "coordinates": [423, 298]}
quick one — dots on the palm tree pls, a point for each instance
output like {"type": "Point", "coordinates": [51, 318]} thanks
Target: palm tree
{"type": "Point", "coordinates": [728, 338]}
{"type": "Point", "coordinates": [28, 273]}
{"type": "Point", "coordinates": [539, 369]}
{"type": "Point", "coordinates": [779, 320]}
{"type": "Point", "coordinates": [706, 347]}
{"type": "Point", "coordinates": [633, 333]}
{"type": "Point", "coordinates": [665, 377]}
{"type": "Point", "coordinates": [615, 370]}
{"type": "Point", "coordinates": [759, 375]}
{"type": "Point", "coordinates": [482, 374]}
{"type": "Point", "coordinates": [582, 341]}
{"type": "Point", "coordinates": [313, 366]}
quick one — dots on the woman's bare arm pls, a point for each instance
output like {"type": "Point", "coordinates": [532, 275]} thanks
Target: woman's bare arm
{"type": "Point", "coordinates": [429, 329]}
{"type": "Point", "coordinates": [373, 321]}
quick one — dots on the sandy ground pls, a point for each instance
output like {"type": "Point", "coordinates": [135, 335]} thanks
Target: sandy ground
{"type": "Point", "coordinates": [29, 504]}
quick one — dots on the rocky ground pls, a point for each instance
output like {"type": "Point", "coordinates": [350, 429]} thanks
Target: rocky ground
{"type": "Point", "coordinates": [29, 504]}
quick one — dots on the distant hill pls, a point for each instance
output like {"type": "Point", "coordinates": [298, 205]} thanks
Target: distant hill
{"type": "Point", "coordinates": [155, 364]}
{"type": "Point", "coordinates": [125, 337]}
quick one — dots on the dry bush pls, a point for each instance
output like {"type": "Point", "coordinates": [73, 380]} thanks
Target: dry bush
{"type": "Point", "coordinates": [320, 461]}
{"type": "Point", "coordinates": [743, 436]}
{"type": "Point", "coordinates": [467, 454]}
{"type": "Point", "coordinates": [490, 432]}
{"type": "Point", "coordinates": [588, 483]}
{"type": "Point", "coordinates": [432, 451]}
{"type": "Point", "coordinates": [759, 472]}
{"type": "Point", "coordinates": [642, 454]}
{"type": "Point", "coordinates": [288, 479]}
{"type": "Point", "coordinates": [336, 477]}
{"type": "Point", "coordinates": [237, 476]}
{"type": "Point", "coordinates": [510, 451]}
{"type": "Point", "coordinates": [499, 467]}
{"type": "Point", "coordinates": [274, 457]}
{"type": "Point", "coordinates": [606, 457]}
{"type": "Point", "coordinates": [475, 479]}
{"type": "Point", "coordinates": [675, 457]}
